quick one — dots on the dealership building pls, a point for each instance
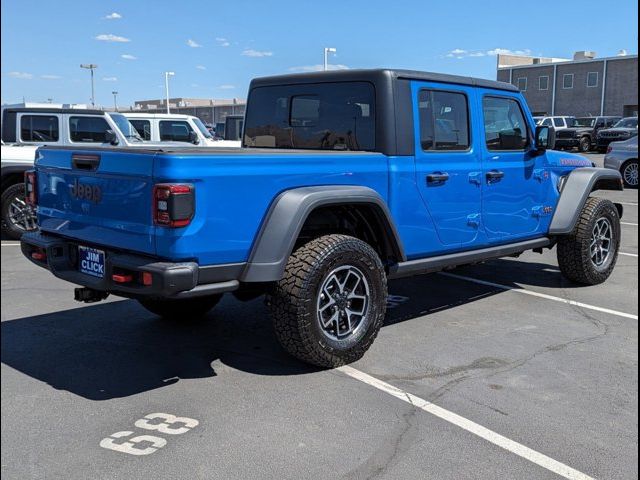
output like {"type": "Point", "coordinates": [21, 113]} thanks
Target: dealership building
{"type": "Point", "coordinates": [583, 86]}
{"type": "Point", "coordinates": [208, 110]}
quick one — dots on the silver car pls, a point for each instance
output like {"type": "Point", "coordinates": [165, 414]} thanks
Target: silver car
{"type": "Point", "coordinates": [623, 156]}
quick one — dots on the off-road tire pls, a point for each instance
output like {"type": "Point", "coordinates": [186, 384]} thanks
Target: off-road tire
{"type": "Point", "coordinates": [293, 300]}
{"type": "Point", "coordinates": [187, 309]}
{"type": "Point", "coordinates": [574, 256]}
{"type": "Point", "coordinates": [9, 229]}
{"type": "Point", "coordinates": [584, 144]}
{"type": "Point", "coordinates": [627, 165]}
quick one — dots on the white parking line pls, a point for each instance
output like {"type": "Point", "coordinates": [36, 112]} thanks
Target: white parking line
{"type": "Point", "coordinates": [542, 295]}
{"type": "Point", "coordinates": [628, 223]}
{"type": "Point", "coordinates": [628, 203]}
{"type": "Point", "coordinates": [468, 425]}
{"type": "Point", "coordinates": [629, 254]}
{"type": "Point", "coordinates": [10, 244]}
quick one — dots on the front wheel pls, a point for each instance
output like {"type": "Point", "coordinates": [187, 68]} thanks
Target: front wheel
{"type": "Point", "coordinates": [629, 172]}
{"type": "Point", "coordinates": [585, 144]}
{"type": "Point", "coordinates": [181, 309]}
{"type": "Point", "coordinates": [330, 304]}
{"type": "Point", "coordinates": [589, 254]}
{"type": "Point", "coordinates": [17, 216]}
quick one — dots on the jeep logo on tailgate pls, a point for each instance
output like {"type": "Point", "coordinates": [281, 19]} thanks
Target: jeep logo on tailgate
{"type": "Point", "coordinates": [82, 191]}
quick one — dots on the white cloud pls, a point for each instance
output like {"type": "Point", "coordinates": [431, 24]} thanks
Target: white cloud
{"type": "Point", "coordinates": [222, 42]}
{"type": "Point", "coordinates": [461, 53]}
{"type": "Point", "coordinates": [109, 37]}
{"type": "Point", "coordinates": [51, 77]}
{"type": "Point", "coordinates": [126, 56]}
{"type": "Point", "coordinates": [21, 75]}
{"type": "Point", "coordinates": [193, 44]}
{"type": "Point", "coordinates": [113, 16]}
{"type": "Point", "coordinates": [194, 85]}
{"type": "Point", "coordinates": [318, 68]}
{"type": "Point", "coordinates": [110, 79]}
{"type": "Point", "coordinates": [226, 87]}
{"type": "Point", "coordinates": [250, 52]}
{"type": "Point", "coordinates": [201, 67]}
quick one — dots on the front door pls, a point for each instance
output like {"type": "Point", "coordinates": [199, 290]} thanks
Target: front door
{"type": "Point", "coordinates": [513, 178]}
{"type": "Point", "coordinates": [448, 168]}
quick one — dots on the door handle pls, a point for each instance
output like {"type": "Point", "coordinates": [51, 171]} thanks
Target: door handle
{"type": "Point", "coordinates": [437, 177]}
{"type": "Point", "coordinates": [494, 175]}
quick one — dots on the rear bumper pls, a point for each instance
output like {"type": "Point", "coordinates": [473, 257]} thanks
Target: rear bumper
{"type": "Point", "coordinates": [169, 279]}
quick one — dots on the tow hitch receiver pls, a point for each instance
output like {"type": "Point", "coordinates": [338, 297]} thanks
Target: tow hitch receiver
{"type": "Point", "coordinates": [88, 295]}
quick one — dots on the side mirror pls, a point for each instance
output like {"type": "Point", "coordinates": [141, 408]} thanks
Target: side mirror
{"type": "Point", "coordinates": [110, 137]}
{"type": "Point", "coordinates": [545, 138]}
{"type": "Point", "coordinates": [193, 138]}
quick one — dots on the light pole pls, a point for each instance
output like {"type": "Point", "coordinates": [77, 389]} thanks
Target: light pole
{"type": "Point", "coordinates": [166, 86]}
{"type": "Point", "coordinates": [327, 51]}
{"type": "Point", "coordinates": [91, 67]}
{"type": "Point", "coordinates": [115, 100]}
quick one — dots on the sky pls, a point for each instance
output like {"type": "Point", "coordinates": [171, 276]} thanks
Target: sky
{"type": "Point", "coordinates": [215, 48]}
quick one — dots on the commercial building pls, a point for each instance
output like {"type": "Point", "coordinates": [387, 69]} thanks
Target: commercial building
{"type": "Point", "coordinates": [208, 110]}
{"type": "Point", "coordinates": [584, 86]}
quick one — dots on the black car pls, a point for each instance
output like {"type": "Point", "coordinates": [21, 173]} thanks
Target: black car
{"type": "Point", "coordinates": [582, 133]}
{"type": "Point", "coordinates": [623, 130]}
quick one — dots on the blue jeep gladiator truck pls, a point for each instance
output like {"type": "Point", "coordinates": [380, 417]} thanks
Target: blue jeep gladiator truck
{"type": "Point", "coordinates": [346, 179]}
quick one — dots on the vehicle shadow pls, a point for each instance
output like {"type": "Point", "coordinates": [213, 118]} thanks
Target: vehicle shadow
{"type": "Point", "coordinates": [117, 349]}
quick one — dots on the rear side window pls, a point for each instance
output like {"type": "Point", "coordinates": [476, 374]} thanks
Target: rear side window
{"type": "Point", "coordinates": [444, 120]}
{"type": "Point", "coordinates": [39, 128]}
{"type": "Point", "coordinates": [175, 131]}
{"type": "Point", "coordinates": [323, 116]}
{"type": "Point", "coordinates": [504, 124]}
{"type": "Point", "coordinates": [558, 122]}
{"type": "Point", "coordinates": [88, 129]}
{"type": "Point", "coordinates": [143, 127]}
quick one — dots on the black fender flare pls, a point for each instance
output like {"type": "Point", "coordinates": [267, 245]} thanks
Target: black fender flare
{"type": "Point", "coordinates": [286, 217]}
{"type": "Point", "coordinates": [9, 170]}
{"type": "Point", "coordinates": [576, 189]}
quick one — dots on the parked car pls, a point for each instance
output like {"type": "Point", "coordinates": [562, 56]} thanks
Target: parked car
{"type": "Point", "coordinates": [559, 123]}
{"type": "Point", "coordinates": [346, 179]}
{"type": "Point", "coordinates": [73, 127]}
{"type": "Point", "coordinates": [623, 156]}
{"type": "Point", "coordinates": [173, 127]}
{"type": "Point", "coordinates": [582, 132]}
{"type": "Point", "coordinates": [622, 130]}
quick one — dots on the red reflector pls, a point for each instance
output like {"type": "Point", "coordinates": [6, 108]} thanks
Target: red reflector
{"type": "Point", "coordinates": [40, 256]}
{"type": "Point", "coordinates": [147, 278]}
{"type": "Point", "coordinates": [31, 196]}
{"type": "Point", "coordinates": [119, 278]}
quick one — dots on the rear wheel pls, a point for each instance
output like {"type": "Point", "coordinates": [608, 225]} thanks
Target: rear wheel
{"type": "Point", "coordinates": [629, 173]}
{"type": "Point", "coordinates": [330, 304]}
{"type": "Point", "coordinates": [181, 309]}
{"type": "Point", "coordinates": [589, 254]}
{"type": "Point", "coordinates": [585, 144]}
{"type": "Point", "coordinates": [17, 216]}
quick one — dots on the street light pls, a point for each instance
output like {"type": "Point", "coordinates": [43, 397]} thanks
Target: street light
{"type": "Point", "coordinates": [166, 86]}
{"type": "Point", "coordinates": [91, 67]}
{"type": "Point", "coordinates": [327, 51]}
{"type": "Point", "coordinates": [115, 100]}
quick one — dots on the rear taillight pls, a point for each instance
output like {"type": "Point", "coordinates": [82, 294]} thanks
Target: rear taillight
{"type": "Point", "coordinates": [31, 193]}
{"type": "Point", "coordinates": [173, 204]}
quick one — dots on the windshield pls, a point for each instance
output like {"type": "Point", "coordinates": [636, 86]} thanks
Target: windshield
{"type": "Point", "coordinates": [202, 128]}
{"type": "Point", "coordinates": [584, 122]}
{"type": "Point", "coordinates": [125, 126]}
{"type": "Point", "coordinates": [627, 123]}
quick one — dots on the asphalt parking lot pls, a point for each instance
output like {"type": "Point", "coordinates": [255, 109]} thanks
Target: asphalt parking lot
{"type": "Point", "coordinates": [500, 370]}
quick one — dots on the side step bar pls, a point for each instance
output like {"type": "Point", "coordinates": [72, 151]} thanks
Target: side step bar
{"type": "Point", "coordinates": [435, 264]}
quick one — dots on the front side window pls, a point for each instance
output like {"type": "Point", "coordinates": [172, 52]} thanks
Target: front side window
{"type": "Point", "coordinates": [143, 127]}
{"type": "Point", "coordinates": [547, 122]}
{"type": "Point", "coordinates": [592, 79]}
{"type": "Point", "coordinates": [627, 123]}
{"type": "Point", "coordinates": [320, 116]}
{"type": "Point", "coordinates": [202, 127]}
{"type": "Point", "coordinates": [175, 131]}
{"type": "Point", "coordinates": [39, 128]}
{"type": "Point", "coordinates": [558, 122]}
{"type": "Point", "coordinates": [444, 120]}
{"type": "Point", "coordinates": [567, 80]}
{"type": "Point", "coordinates": [504, 124]}
{"type": "Point", "coordinates": [522, 84]}
{"type": "Point", "coordinates": [543, 82]}
{"type": "Point", "coordinates": [88, 129]}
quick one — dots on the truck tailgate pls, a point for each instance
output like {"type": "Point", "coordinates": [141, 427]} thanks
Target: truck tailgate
{"type": "Point", "coordinates": [100, 197]}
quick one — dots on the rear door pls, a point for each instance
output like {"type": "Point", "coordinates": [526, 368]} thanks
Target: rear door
{"type": "Point", "coordinates": [448, 168]}
{"type": "Point", "coordinates": [513, 179]}
{"type": "Point", "coordinates": [100, 197]}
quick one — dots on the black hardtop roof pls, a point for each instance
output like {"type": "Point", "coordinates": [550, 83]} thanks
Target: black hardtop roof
{"type": "Point", "coordinates": [376, 75]}
{"type": "Point", "coordinates": [79, 111]}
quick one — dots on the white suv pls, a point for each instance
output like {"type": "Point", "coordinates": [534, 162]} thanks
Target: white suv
{"type": "Point", "coordinates": [559, 122]}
